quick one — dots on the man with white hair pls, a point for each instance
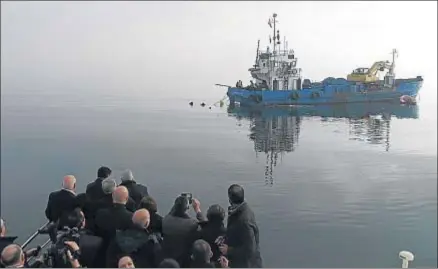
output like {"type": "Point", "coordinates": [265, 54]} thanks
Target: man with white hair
{"type": "Point", "coordinates": [136, 191]}
{"type": "Point", "coordinates": [62, 201]}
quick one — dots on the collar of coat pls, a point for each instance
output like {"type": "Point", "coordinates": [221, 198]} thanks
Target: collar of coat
{"type": "Point", "coordinates": [233, 209]}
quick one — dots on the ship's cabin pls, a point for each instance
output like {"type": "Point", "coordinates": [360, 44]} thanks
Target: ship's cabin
{"type": "Point", "coordinates": [361, 71]}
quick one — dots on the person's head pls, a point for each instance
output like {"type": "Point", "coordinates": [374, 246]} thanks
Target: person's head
{"type": "Point", "coordinates": [141, 218]}
{"type": "Point", "coordinates": [120, 195]}
{"type": "Point", "coordinates": [103, 172]}
{"type": "Point", "coordinates": [2, 228]}
{"type": "Point", "coordinates": [108, 185]}
{"type": "Point", "coordinates": [149, 203]}
{"type": "Point", "coordinates": [180, 207]}
{"type": "Point", "coordinates": [236, 195]}
{"type": "Point", "coordinates": [201, 251]}
{"type": "Point", "coordinates": [125, 262]}
{"type": "Point", "coordinates": [127, 176]}
{"type": "Point", "coordinates": [69, 183]}
{"type": "Point", "coordinates": [73, 219]}
{"type": "Point", "coordinates": [12, 256]}
{"type": "Point", "coordinates": [216, 213]}
{"type": "Point", "coordinates": [168, 263]}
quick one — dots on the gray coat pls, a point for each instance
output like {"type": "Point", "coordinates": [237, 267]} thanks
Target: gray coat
{"type": "Point", "coordinates": [179, 233]}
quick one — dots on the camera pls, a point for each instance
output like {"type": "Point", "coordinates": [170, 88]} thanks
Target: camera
{"type": "Point", "coordinates": [56, 256]}
{"type": "Point", "coordinates": [188, 195]}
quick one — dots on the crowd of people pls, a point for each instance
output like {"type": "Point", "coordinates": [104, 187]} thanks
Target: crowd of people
{"type": "Point", "coordinates": [118, 226]}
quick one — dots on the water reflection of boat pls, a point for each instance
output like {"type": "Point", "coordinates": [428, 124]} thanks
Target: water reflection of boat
{"type": "Point", "coordinates": [275, 130]}
{"type": "Point", "coordinates": [358, 110]}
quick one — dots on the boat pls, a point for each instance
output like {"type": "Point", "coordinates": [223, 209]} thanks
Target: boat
{"type": "Point", "coordinates": [278, 81]}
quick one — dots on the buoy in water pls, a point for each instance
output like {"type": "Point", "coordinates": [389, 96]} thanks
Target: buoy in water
{"type": "Point", "coordinates": [191, 103]}
{"type": "Point", "coordinates": [202, 104]}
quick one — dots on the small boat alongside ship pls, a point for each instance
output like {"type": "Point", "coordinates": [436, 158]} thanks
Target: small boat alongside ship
{"type": "Point", "coordinates": [279, 81]}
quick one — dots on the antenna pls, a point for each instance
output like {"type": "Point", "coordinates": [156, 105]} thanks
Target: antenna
{"type": "Point", "coordinates": [257, 53]}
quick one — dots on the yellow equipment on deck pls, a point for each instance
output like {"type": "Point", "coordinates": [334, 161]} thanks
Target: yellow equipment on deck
{"type": "Point", "coordinates": [368, 74]}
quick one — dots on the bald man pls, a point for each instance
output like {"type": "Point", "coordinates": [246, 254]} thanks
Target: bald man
{"type": "Point", "coordinates": [13, 256]}
{"type": "Point", "coordinates": [116, 217]}
{"type": "Point", "coordinates": [144, 248]}
{"type": "Point", "coordinates": [62, 201]}
{"type": "Point", "coordinates": [126, 262]}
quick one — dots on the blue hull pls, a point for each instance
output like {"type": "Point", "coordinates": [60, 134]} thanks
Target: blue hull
{"type": "Point", "coordinates": [351, 111]}
{"type": "Point", "coordinates": [328, 93]}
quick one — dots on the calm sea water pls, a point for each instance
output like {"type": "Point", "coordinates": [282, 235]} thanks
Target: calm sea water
{"type": "Point", "coordinates": [331, 187]}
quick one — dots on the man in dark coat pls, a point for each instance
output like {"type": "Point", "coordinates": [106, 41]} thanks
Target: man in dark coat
{"type": "Point", "coordinates": [156, 225]}
{"type": "Point", "coordinates": [94, 189]}
{"type": "Point", "coordinates": [117, 217]}
{"type": "Point", "coordinates": [91, 246]}
{"type": "Point", "coordinates": [136, 242]}
{"type": "Point", "coordinates": [62, 201]}
{"type": "Point", "coordinates": [213, 229]}
{"type": "Point", "coordinates": [180, 230]}
{"type": "Point", "coordinates": [242, 239]}
{"type": "Point", "coordinates": [201, 255]}
{"type": "Point", "coordinates": [136, 190]}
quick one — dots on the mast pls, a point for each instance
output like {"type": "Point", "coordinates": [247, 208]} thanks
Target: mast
{"type": "Point", "coordinates": [394, 53]}
{"type": "Point", "coordinates": [257, 54]}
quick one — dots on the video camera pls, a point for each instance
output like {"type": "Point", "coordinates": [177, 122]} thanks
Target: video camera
{"type": "Point", "coordinates": [56, 256]}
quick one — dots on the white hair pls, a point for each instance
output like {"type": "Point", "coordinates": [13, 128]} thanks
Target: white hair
{"type": "Point", "coordinates": [127, 176]}
{"type": "Point", "coordinates": [108, 185]}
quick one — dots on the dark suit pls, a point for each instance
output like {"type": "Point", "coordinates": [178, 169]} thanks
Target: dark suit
{"type": "Point", "coordinates": [92, 250]}
{"type": "Point", "coordinates": [242, 238]}
{"type": "Point", "coordinates": [6, 241]}
{"type": "Point", "coordinates": [136, 191]}
{"type": "Point", "coordinates": [60, 202]}
{"type": "Point", "coordinates": [108, 220]}
{"type": "Point", "coordinates": [94, 190]}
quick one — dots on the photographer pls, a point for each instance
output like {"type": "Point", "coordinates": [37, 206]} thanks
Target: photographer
{"type": "Point", "coordinates": [91, 246]}
{"type": "Point", "coordinates": [180, 230]}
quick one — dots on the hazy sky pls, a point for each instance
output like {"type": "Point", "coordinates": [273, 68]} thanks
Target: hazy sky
{"type": "Point", "coordinates": [184, 48]}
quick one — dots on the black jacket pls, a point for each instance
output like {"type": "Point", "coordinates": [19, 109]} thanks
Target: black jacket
{"type": "Point", "coordinates": [6, 241]}
{"type": "Point", "coordinates": [108, 220]}
{"type": "Point", "coordinates": [92, 250]}
{"type": "Point", "coordinates": [136, 191]}
{"type": "Point", "coordinates": [210, 231]}
{"type": "Point", "coordinates": [144, 248]}
{"type": "Point", "coordinates": [94, 190]}
{"type": "Point", "coordinates": [156, 223]}
{"type": "Point", "coordinates": [60, 202]}
{"type": "Point", "coordinates": [179, 233]}
{"type": "Point", "coordinates": [87, 208]}
{"type": "Point", "coordinates": [242, 238]}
